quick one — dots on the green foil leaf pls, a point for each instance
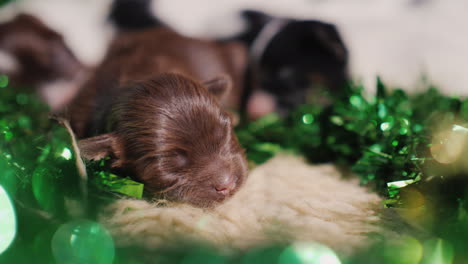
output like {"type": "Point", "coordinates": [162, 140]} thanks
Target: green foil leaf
{"type": "Point", "coordinates": [114, 183]}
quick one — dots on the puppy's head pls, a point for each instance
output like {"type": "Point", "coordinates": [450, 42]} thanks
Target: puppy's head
{"type": "Point", "coordinates": [172, 135]}
{"type": "Point", "coordinates": [31, 53]}
{"type": "Point", "coordinates": [303, 55]}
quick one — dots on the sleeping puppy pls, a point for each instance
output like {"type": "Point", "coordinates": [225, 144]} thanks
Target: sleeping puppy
{"type": "Point", "coordinates": [154, 107]}
{"type": "Point", "coordinates": [289, 61]}
{"type": "Point", "coordinates": [34, 56]}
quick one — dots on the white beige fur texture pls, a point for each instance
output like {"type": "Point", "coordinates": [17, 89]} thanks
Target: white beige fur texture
{"type": "Point", "coordinates": [284, 200]}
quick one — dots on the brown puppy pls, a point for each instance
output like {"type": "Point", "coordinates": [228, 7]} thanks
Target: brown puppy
{"type": "Point", "coordinates": [33, 56]}
{"type": "Point", "coordinates": [154, 106]}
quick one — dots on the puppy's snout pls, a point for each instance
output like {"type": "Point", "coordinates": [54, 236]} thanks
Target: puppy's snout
{"type": "Point", "coordinates": [225, 186]}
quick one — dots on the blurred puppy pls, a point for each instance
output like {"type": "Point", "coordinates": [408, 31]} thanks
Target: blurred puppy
{"type": "Point", "coordinates": [34, 56]}
{"type": "Point", "coordinates": [290, 60]}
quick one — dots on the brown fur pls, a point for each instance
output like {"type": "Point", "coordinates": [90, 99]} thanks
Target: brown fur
{"type": "Point", "coordinates": [36, 57]}
{"type": "Point", "coordinates": [41, 53]}
{"type": "Point", "coordinates": [144, 54]}
{"type": "Point", "coordinates": [154, 105]}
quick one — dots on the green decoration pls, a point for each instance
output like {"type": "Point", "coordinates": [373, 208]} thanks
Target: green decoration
{"type": "Point", "coordinates": [405, 250]}
{"type": "Point", "coordinates": [3, 78]}
{"type": "Point", "coordinates": [8, 179]}
{"type": "Point", "coordinates": [40, 246]}
{"type": "Point", "coordinates": [111, 182]}
{"type": "Point", "coordinates": [8, 221]}
{"type": "Point", "coordinates": [83, 242]}
{"type": "Point", "coordinates": [45, 188]}
{"type": "Point", "coordinates": [308, 252]}
{"type": "Point", "coordinates": [262, 255]}
{"type": "Point", "coordinates": [383, 139]}
{"type": "Point", "coordinates": [398, 144]}
{"type": "Point", "coordinates": [203, 256]}
{"type": "Point", "coordinates": [438, 251]}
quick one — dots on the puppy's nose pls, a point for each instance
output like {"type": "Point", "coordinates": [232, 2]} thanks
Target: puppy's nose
{"type": "Point", "coordinates": [225, 186]}
{"type": "Point", "coordinates": [222, 190]}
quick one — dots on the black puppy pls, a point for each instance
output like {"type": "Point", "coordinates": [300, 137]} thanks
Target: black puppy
{"type": "Point", "coordinates": [289, 60]}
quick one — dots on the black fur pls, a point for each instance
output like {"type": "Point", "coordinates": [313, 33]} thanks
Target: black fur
{"type": "Point", "coordinates": [133, 14]}
{"type": "Point", "coordinates": [303, 55]}
{"type": "Point", "coordinates": [255, 21]}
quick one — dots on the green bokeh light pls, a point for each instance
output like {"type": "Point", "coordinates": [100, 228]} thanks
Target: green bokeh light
{"type": "Point", "coordinates": [406, 250]}
{"type": "Point", "coordinates": [3, 79]}
{"type": "Point", "coordinates": [66, 154]}
{"type": "Point", "coordinates": [8, 221]}
{"type": "Point", "coordinates": [83, 242]}
{"type": "Point", "coordinates": [8, 135]}
{"type": "Point", "coordinates": [438, 251]}
{"type": "Point", "coordinates": [22, 99]}
{"type": "Point", "coordinates": [308, 253]}
{"type": "Point", "coordinates": [385, 126]}
{"type": "Point", "coordinates": [308, 119]}
{"type": "Point", "coordinates": [356, 101]}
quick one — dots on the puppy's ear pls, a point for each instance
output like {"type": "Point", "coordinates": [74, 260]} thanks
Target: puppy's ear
{"type": "Point", "coordinates": [219, 86]}
{"type": "Point", "coordinates": [329, 36]}
{"type": "Point", "coordinates": [256, 19]}
{"type": "Point", "coordinates": [99, 147]}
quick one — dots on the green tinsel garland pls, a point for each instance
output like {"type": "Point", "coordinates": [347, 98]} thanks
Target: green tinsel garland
{"type": "Point", "coordinates": [384, 139]}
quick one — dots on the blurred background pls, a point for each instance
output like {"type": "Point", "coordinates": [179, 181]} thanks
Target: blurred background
{"type": "Point", "coordinates": [403, 41]}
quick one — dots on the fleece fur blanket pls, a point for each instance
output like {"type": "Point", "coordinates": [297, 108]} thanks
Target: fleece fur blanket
{"type": "Point", "coordinates": [283, 201]}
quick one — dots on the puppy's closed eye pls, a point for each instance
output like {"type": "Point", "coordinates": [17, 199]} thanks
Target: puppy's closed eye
{"type": "Point", "coordinates": [180, 158]}
{"type": "Point", "coordinates": [173, 160]}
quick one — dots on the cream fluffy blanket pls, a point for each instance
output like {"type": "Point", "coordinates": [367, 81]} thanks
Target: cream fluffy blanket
{"type": "Point", "coordinates": [284, 200]}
